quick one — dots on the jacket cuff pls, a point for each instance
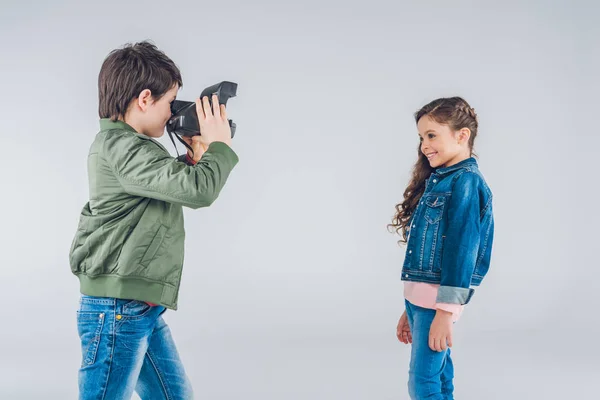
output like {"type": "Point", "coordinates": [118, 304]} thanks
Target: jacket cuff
{"type": "Point", "coordinates": [454, 295]}
{"type": "Point", "coordinates": [186, 159]}
{"type": "Point", "coordinates": [189, 159]}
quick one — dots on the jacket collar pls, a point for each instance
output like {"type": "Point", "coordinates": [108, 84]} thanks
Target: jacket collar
{"type": "Point", "coordinates": [107, 123]}
{"type": "Point", "coordinates": [469, 162]}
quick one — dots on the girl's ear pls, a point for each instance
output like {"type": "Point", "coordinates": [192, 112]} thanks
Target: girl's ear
{"type": "Point", "coordinates": [463, 135]}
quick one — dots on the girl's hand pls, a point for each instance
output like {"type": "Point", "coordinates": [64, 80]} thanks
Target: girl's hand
{"type": "Point", "coordinates": [440, 332]}
{"type": "Point", "coordinates": [198, 147]}
{"type": "Point", "coordinates": [403, 330]}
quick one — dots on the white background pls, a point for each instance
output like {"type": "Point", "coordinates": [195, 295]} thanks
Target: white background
{"type": "Point", "coordinates": [291, 286]}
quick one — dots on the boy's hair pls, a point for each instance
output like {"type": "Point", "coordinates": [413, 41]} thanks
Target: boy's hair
{"type": "Point", "coordinates": [126, 72]}
{"type": "Point", "coordinates": [457, 114]}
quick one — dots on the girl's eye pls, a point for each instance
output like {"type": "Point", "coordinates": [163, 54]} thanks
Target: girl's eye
{"type": "Point", "coordinates": [431, 136]}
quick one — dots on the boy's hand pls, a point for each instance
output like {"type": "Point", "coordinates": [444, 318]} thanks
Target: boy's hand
{"type": "Point", "coordinates": [213, 121]}
{"type": "Point", "coordinates": [403, 330]}
{"type": "Point", "coordinates": [441, 331]}
{"type": "Point", "coordinates": [195, 143]}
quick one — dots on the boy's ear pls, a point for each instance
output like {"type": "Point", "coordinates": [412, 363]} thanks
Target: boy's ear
{"type": "Point", "coordinates": [144, 99]}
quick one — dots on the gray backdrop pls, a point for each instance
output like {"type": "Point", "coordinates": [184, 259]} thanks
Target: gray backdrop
{"type": "Point", "coordinates": [291, 286]}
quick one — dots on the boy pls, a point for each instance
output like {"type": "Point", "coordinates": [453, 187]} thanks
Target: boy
{"type": "Point", "coordinates": [128, 249]}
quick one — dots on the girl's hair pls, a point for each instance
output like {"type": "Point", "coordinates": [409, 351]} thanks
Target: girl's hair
{"type": "Point", "coordinates": [457, 114]}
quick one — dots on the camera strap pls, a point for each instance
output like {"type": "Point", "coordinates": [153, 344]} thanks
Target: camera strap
{"type": "Point", "coordinates": [182, 142]}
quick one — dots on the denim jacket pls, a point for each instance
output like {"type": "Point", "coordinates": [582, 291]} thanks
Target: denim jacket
{"type": "Point", "coordinates": [451, 233]}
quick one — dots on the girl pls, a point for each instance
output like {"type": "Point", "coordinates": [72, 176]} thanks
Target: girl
{"type": "Point", "coordinates": [447, 224]}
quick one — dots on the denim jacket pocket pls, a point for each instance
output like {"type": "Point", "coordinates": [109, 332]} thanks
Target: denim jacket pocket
{"type": "Point", "coordinates": [431, 244]}
{"type": "Point", "coordinates": [435, 208]}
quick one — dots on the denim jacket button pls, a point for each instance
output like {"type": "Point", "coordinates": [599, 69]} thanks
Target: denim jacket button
{"type": "Point", "coordinates": [410, 252]}
{"type": "Point", "coordinates": [435, 180]}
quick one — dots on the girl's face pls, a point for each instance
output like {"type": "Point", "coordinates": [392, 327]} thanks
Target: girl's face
{"type": "Point", "coordinates": [441, 145]}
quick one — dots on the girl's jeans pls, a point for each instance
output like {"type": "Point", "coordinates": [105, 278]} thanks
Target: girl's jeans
{"type": "Point", "coordinates": [126, 345]}
{"type": "Point", "coordinates": [431, 372]}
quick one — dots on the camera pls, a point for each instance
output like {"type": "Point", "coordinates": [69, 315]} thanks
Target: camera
{"type": "Point", "coordinates": [184, 118]}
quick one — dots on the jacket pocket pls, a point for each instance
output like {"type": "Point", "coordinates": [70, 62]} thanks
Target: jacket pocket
{"type": "Point", "coordinates": [152, 249]}
{"type": "Point", "coordinates": [89, 326]}
{"type": "Point", "coordinates": [435, 208]}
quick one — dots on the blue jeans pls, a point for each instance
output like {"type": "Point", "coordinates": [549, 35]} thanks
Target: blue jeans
{"type": "Point", "coordinates": [430, 374]}
{"type": "Point", "coordinates": [126, 345]}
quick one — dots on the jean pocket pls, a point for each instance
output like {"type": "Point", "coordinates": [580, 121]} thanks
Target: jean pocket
{"type": "Point", "coordinates": [136, 309]}
{"type": "Point", "coordinates": [89, 327]}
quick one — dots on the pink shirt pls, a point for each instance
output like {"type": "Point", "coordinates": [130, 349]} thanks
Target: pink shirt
{"type": "Point", "coordinates": [425, 294]}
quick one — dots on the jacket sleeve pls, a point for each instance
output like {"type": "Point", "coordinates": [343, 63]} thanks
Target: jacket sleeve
{"type": "Point", "coordinates": [145, 169]}
{"type": "Point", "coordinates": [461, 243]}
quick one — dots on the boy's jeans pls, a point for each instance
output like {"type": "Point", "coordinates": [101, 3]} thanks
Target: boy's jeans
{"type": "Point", "coordinates": [126, 345]}
{"type": "Point", "coordinates": [431, 372]}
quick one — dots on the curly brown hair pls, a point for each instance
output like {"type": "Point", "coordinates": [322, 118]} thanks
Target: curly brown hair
{"type": "Point", "coordinates": [457, 114]}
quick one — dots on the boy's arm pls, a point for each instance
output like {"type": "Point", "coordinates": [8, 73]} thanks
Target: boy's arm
{"type": "Point", "coordinates": [462, 241]}
{"type": "Point", "coordinates": [185, 158]}
{"type": "Point", "coordinates": [144, 169]}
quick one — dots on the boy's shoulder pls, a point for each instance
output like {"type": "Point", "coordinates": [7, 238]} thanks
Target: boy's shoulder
{"type": "Point", "coordinates": [117, 139]}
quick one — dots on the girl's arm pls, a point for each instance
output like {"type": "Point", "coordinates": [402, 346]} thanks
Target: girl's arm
{"type": "Point", "coordinates": [462, 240]}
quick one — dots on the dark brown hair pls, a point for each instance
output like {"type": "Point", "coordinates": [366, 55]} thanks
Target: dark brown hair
{"type": "Point", "coordinates": [457, 114]}
{"type": "Point", "coordinates": [126, 72]}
